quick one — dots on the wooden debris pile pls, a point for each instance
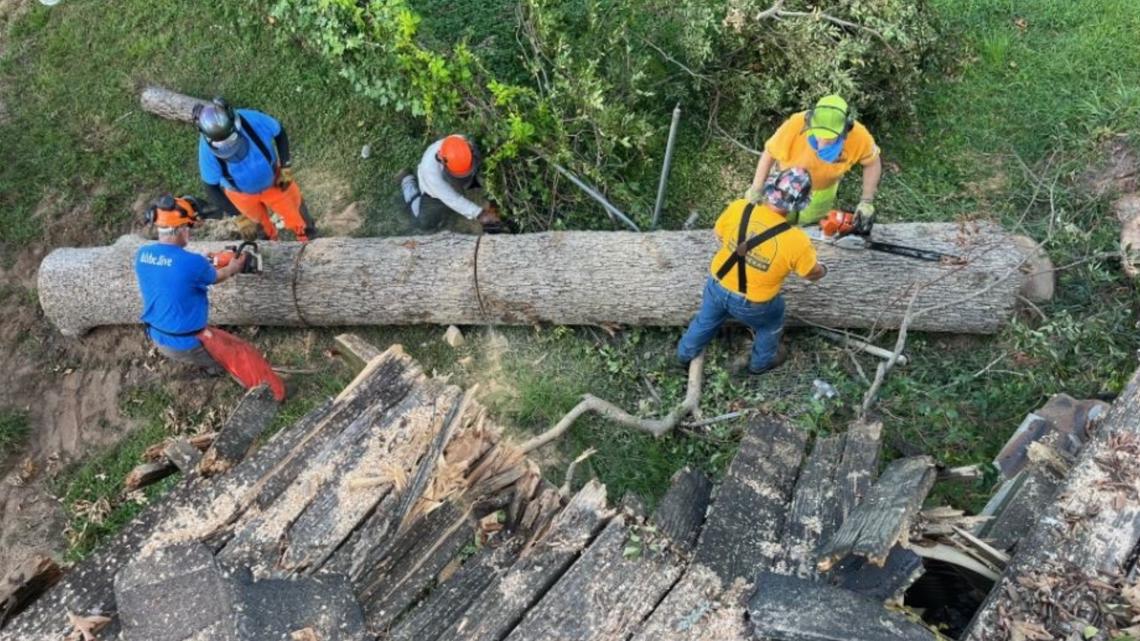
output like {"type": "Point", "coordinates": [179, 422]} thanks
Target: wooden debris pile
{"type": "Point", "coordinates": [400, 505]}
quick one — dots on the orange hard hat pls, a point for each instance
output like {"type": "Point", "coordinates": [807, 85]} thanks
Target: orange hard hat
{"type": "Point", "coordinates": [169, 211]}
{"type": "Point", "coordinates": [457, 156]}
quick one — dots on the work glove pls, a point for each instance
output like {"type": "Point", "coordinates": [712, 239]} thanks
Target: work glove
{"type": "Point", "coordinates": [864, 218]}
{"type": "Point", "coordinates": [284, 177]}
{"type": "Point", "coordinates": [754, 195]}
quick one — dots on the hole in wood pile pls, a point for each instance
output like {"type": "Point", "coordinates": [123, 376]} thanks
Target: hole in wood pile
{"type": "Point", "coordinates": [947, 596]}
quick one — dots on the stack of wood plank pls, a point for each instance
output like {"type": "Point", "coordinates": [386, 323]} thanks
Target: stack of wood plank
{"type": "Point", "coordinates": [400, 504]}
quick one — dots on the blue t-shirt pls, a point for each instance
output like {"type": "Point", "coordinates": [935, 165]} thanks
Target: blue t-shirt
{"type": "Point", "coordinates": [253, 173]}
{"type": "Point", "coordinates": [174, 284]}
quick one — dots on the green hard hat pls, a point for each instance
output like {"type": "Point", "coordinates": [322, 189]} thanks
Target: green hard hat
{"type": "Point", "coordinates": [830, 118]}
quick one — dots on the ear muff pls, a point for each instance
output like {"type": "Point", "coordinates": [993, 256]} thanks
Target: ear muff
{"type": "Point", "coordinates": [848, 119]}
{"type": "Point", "coordinates": [169, 211]}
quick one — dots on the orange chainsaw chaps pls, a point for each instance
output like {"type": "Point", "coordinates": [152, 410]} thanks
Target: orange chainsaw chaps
{"type": "Point", "coordinates": [241, 360]}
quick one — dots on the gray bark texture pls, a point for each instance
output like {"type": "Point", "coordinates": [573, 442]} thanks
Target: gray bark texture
{"type": "Point", "coordinates": [1092, 524]}
{"type": "Point", "coordinates": [169, 104]}
{"type": "Point", "coordinates": [564, 278]}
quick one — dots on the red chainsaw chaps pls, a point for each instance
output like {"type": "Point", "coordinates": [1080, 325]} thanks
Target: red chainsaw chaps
{"type": "Point", "coordinates": [242, 360]}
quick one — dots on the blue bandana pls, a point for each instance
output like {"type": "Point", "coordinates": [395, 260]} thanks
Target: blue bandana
{"type": "Point", "coordinates": [829, 153]}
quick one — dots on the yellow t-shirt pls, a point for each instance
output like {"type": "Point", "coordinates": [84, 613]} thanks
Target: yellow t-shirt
{"type": "Point", "coordinates": [769, 263]}
{"type": "Point", "coordinates": [790, 147]}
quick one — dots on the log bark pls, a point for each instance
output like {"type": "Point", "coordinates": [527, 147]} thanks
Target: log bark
{"type": "Point", "coordinates": [1092, 524]}
{"type": "Point", "coordinates": [876, 524]}
{"type": "Point", "coordinates": [566, 278]}
{"type": "Point", "coordinates": [168, 104]}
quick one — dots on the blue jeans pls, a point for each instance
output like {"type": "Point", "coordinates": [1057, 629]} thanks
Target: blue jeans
{"type": "Point", "coordinates": [717, 304]}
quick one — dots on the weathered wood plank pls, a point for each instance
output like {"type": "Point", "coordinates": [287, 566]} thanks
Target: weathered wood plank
{"type": "Point", "coordinates": [249, 419]}
{"type": "Point", "coordinates": [860, 463]}
{"type": "Point", "coordinates": [496, 612]}
{"type": "Point", "coordinates": [145, 474]}
{"type": "Point", "coordinates": [885, 583]}
{"type": "Point", "coordinates": [24, 584]}
{"type": "Point", "coordinates": [355, 349]}
{"type": "Point", "coordinates": [1092, 524]}
{"type": "Point", "coordinates": [88, 587]}
{"type": "Point", "coordinates": [447, 603]}
{"type": "Point", "coordinates": [742, 534]}
{"type": "Point", "coordinates": [319, 510]}
{"type": "Point", "coordinates": [811, 516]}
{"type": "Point", "coordinates": [681, 512]}
{"type": "Point", "coordinates": [417, 556]}
{"type": "Point", "coordinates": [786, 608]}
{"type": "Point", "coordinates": [699, 608]}
{"type": "Point", "coordinates": [605, 594]}
{"type": "Point", "coordinates": [876, 524]}
{"type": "Point", "coordinates": [183, 455]}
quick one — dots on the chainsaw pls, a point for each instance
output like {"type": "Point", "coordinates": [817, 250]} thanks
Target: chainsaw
{"type": "Point", "coordinates": [839, 229]}
{"type": "Point", "coordinates": [227, 255]}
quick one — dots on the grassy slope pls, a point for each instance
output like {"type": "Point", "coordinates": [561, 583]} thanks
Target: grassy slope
{"type": "Point", "coordinates": [1013, 93]}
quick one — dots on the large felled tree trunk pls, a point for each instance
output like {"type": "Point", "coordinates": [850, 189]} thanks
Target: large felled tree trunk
{"type": "Point", "coordinates": [568, 278]}
{"type": "Point", "coordinates": [1092, 528]}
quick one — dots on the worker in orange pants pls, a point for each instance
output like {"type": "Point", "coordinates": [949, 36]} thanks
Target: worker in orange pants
{"type": "Point", "coordinates": [285, 202]}
{"type": "Point", "coordinates": [244, 161]}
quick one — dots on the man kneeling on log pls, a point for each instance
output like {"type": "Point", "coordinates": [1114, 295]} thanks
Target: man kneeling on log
{"type": "Point", "coordinates": [446, 171]}
{"type": "Point", "coordinates": [175, 283]}
{"type": "Point", "coordinates": [759, 248]}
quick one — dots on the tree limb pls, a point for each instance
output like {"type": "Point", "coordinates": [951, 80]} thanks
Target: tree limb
{"type": "Point", "coordinates": [656, 427]}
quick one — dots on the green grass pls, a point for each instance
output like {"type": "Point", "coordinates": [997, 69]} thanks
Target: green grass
{"type": "Point", "coordinates": [83, 150]}
{"type": "Point", "coordinates": [13, 431]}
{"type": "Point", "coordinates": [92, 491]}
{"type": "Point", "coordinates": [1014, 109]}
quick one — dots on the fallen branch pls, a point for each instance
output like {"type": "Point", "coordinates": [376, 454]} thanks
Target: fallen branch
{"type": "Point", "coordinates": [889, 364]}
{"type": "Point", "coordinates": [564, 491]}
{"type": "Point", "coordinates": [778, 12]}
{"type": "Point", "coordinates": [656, 427]}
{"type": "Point", "coordinates": [843, 339]}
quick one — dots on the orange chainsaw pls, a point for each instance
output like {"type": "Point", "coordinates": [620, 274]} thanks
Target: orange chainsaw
{"type": "Point", "coordinates": [227, 255]}
{"type": "Point", "coordinates": [840, 228]}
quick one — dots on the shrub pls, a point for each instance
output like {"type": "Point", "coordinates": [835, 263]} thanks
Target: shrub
{"type": "Point", "coordinates": [592, 78]}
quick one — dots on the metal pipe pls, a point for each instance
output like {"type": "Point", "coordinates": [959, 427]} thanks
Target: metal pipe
{"type": "Point", "coordinates": [665, 165]}
{"type": "Point", "coordinates": [614, 212]}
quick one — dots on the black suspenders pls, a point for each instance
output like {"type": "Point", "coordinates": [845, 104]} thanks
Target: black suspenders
{"type": "Point", "coordinates": [260, 146]}
{"type": "Point", "coordinates": [744, 244]}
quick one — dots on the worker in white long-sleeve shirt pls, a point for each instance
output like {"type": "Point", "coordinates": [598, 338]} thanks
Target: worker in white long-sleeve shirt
{"type": "Point", "coordinates": [447, 170]}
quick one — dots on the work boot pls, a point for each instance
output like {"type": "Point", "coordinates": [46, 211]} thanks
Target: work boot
{"type": "Point", "coordinates": [781, 356]}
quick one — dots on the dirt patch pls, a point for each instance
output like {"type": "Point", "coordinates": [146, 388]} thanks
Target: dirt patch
{"type": "Point", "coordinates": [325, 193]}
{"type": "Point", "coordinates": [344, 222]}
{"type": "Point", "coordinates": [1116, 172]}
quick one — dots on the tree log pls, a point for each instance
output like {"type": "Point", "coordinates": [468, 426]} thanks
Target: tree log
{"type": "Point", "coordinates": [565, 278]}
{"type": "Point", "coordinates": [1093, 524]}
{"type": "Point", "coordinates": [168, 104]}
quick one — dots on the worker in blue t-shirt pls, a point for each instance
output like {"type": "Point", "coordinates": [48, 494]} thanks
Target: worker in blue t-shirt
{"type": "Point", "coordinates": [175, 284]}
{"type": "Point", "coordinates": [244, 161]}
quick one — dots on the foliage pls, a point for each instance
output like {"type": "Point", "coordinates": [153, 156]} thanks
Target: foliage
{"type": "Point", "coordinates": [13, 430]}
{"type": "Point", "coordinates": [592, 79]}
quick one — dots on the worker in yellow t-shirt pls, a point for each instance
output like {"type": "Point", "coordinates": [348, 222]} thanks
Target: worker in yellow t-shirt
{"type": "Point", "coordinates": [759, 248]}
{"type": "Point", "coordinates": [827, 141]}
